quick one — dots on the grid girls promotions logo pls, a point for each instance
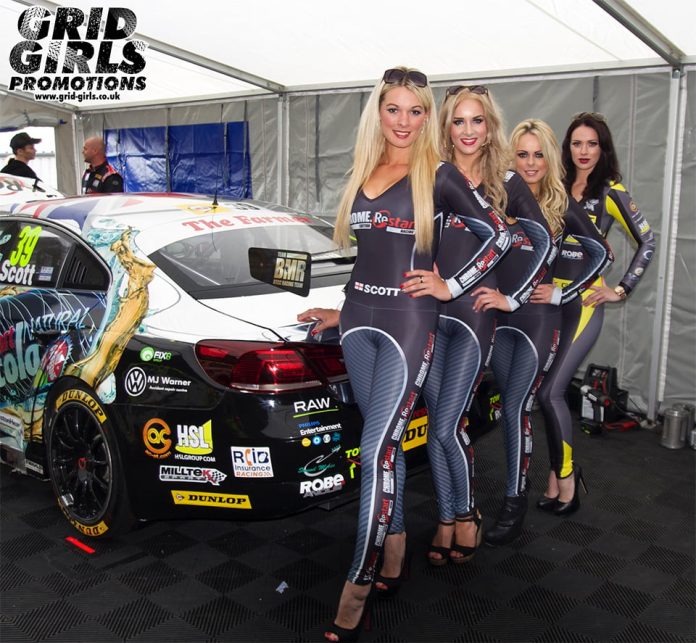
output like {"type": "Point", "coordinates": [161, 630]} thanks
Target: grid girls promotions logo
{"type": "Point", "coordinates": [76, 56]}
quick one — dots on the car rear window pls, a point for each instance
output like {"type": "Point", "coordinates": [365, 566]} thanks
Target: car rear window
{"type": "Point", "coordinates": [210, 265]}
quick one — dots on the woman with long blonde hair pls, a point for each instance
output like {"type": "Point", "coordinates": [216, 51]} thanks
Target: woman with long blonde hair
{"type": "Point", "coordinates": [393, 205]}
{"type": "Point", "coordinates": [471, 126]}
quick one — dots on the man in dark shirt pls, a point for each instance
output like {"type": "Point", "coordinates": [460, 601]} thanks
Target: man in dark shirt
{"type": "Point", "coordinates": [24, 151]}
{"type": "Point", "coordinates": [100, 176]}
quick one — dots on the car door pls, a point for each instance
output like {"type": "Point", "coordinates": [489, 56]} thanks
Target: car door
{"type": "Point", "coordinates": [52, 300]}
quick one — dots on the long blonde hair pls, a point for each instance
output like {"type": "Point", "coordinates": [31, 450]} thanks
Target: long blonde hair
{"type": "Point", "coordinates": [369, 151]}
{"type": "Point", "coordinates": [552, 196]}
{"type": "Point", "coordinates": [493, 162]}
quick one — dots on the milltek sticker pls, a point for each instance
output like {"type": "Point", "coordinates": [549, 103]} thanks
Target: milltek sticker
{"type": "Point", "coordinates": [168, 473]}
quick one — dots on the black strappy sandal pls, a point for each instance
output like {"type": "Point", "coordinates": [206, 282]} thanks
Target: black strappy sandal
{"type": "Point", "coordinates": [467, 553]}
{"type": "Point", "coordinates": [442, 551]}
{"type": "Point", "coordinates": [353, 633]}
{"type": "Point", "coordinates": [391, 584]}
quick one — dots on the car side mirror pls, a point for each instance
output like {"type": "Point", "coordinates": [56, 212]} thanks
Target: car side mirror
{"type": "Point", "coordinates": [289, 270]}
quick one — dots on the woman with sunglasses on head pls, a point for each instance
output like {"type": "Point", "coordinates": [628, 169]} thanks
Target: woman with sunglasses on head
{"type": "Point", "coordinates": [393, 204]}
{"type": "Point", "coordinates": [584, 255]}
{"type": "Point", "coordinates": [472, 136]}
{"type": "Point", "coordinates": [593, 181]}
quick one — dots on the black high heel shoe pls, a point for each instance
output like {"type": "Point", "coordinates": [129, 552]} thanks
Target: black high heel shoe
{"type": "Point", "coordinates": [566, 508]}
{"type": "Point", "coordinates": [547, 504]}
{"type": "Point", "coordinates": [353, 633]}
{"type": "Point", "coordinates": [391, 584]}
{"type": "Point", "coordinates": [444, 552]}
{"type": "Point", "coordinates": [467, 553]}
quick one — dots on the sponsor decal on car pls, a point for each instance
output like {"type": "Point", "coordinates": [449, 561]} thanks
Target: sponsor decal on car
{"type": "Point", "coordinates": [54, 359]}
{"type": "Point", "coordinates": [321, 486]}
{"type": "Point", "coordinates": [416, 434]}
{"type": "Point", "coordinates": [10, 422]}
{"type": "Point", "coordinates": [86, 399]}
{"type": "Point", "coordinates": [220, 500]}
{"type": "Point", "coordinates": [171, 473]}
{"type": "Point", "coordinates": [157, 438]}
{"type": "Point", "coordinates": [18, 361]}
{"type": "Point", "coordinates": [137, 381]}
{"type": "Point", "coordinates": [192, 439]}
{"type": "Point", "coordinates": [242, 220]}
{"type": "Point", "coordinates": [289, 269]}
{"type": "Point", "coordinates": [252, 462]}
{"type": "Point", "coordinates": [317, 466]}
{"type": "Point", "coordinates": [19, 275]}
{"type": "Point", "coordinates": [318, 428]}
{"type": "Point", "coordinates": [353, 456]}
{"type": "Point", "coordinates": [16, 269]}
{"type": "Point", "coordinates": [149, 354]}
{"type": "Point", "coordinates": [313, 406]}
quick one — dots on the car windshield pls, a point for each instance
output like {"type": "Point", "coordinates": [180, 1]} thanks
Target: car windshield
{"type": "Point", "coordinates": [204, 263]}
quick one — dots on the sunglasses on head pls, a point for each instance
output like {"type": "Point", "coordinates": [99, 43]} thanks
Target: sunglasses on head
{"type": "Point", "coordinates": [394, 76]}
{"type": "Point", "coordinates": [481, 90]}
{"type": "Point", "coordinates": [596, 115]}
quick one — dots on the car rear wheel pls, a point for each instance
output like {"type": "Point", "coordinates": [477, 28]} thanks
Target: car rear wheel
{"type": "Point", "coordinates": [84, 464]}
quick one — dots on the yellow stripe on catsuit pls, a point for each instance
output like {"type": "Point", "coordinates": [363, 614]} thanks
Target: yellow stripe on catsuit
{"type": "Point", "coordinates": [587, 311]}
{"type": "Point", "coordinates": [585, 316]}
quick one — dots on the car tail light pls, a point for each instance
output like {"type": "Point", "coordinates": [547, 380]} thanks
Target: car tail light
{"type": "Point", "coordinates": [269, 367]}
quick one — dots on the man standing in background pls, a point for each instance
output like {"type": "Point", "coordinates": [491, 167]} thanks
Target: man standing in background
{"type": "Point", "coordinates": [100, 177]}
{"type": "Point", "coordinates": [24, 151]}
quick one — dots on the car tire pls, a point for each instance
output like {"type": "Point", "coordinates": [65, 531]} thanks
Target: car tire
{"type": "Point", "coordinates": [84, 463]}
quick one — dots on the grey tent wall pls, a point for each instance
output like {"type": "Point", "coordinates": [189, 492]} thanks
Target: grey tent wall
{"type": "Point", "coordinates": [317, 152]}
{"type": "Point", "coordinates": [323, 131]}
{"type": "Point", "coordinates": [680, 379]}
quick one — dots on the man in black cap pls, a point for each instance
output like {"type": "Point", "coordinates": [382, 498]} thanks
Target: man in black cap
{"type": "Point", "coordinates": [100, 176]}
{"type": "Point", "coordinates": [24, 151]}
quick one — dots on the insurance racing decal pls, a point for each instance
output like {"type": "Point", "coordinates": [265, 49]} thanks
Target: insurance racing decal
{"type": "Point", "coordinates": [252, 462]}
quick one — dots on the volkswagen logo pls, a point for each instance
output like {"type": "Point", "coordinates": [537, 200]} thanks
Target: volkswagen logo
{"type": "Point", "coordinates": [135, 381]}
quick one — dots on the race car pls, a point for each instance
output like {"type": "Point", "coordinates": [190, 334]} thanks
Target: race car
{"type": "Point", "coordinates": [151, 364]}
{"type": "Point", "coordinates": [19, 189]}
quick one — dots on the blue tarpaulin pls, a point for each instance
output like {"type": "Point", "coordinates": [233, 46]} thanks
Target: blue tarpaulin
{"type": "Point", "coordinates": [207, 158]}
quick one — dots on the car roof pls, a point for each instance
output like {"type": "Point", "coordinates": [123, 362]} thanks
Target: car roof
{"type": "Point", "coordinates": [18, 189]}
{"type": "Point", "coordinates": [164, 217]}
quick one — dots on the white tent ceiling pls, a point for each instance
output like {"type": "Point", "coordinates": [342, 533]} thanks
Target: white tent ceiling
{"type": "Point", "coordinates": [208, 48]}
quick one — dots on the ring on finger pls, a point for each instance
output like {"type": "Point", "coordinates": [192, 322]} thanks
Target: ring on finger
{"type": "Point", "coordinates": [421, 278]}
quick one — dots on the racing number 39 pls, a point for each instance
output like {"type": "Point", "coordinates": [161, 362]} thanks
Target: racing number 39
{"type": "Point", "coordinates": [28, 238]}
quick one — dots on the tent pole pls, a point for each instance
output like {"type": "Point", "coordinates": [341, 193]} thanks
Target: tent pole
{"type": "Point", "coordinates": [668, 240]}
{"type": "Point", "coordinates": [78, 140]}
{"type": "Point", "coordinates": [283, 150]}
